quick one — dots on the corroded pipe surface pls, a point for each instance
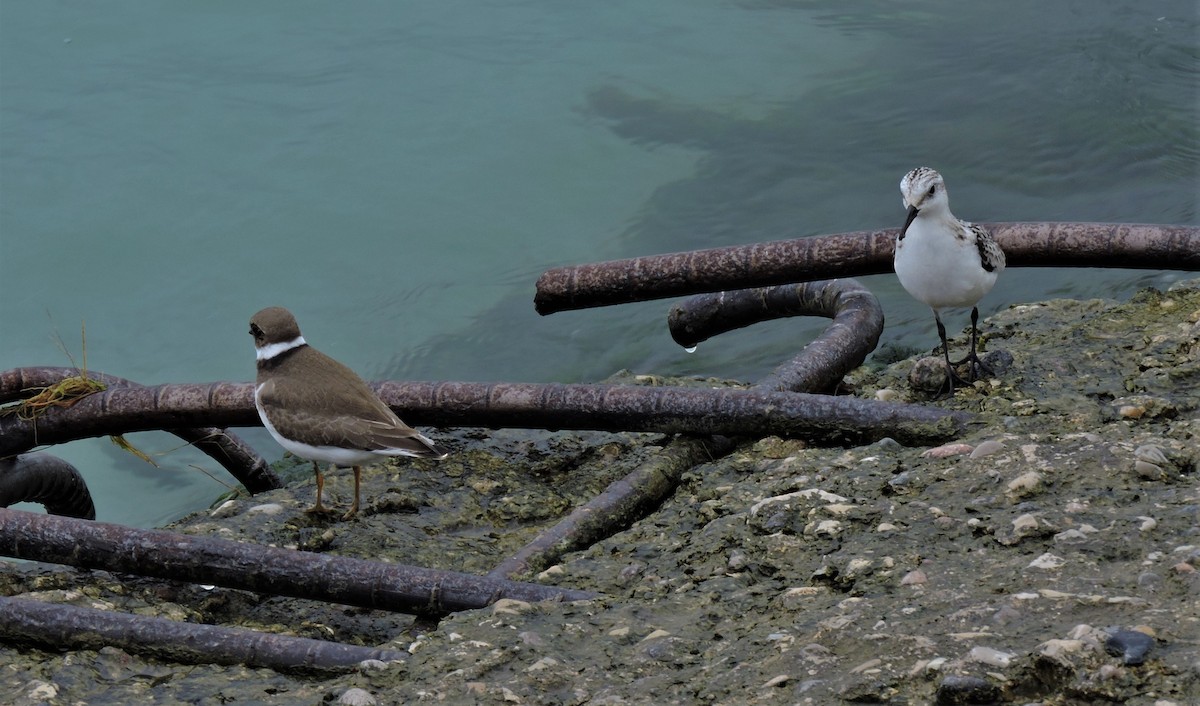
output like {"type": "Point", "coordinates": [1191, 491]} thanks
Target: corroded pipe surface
{"type": "Point", "coordinates": [46, 480]}
{"type": "Point", "coordinates": [841, 347]}
{"type": "Point", "coordinates": [1124, 245]}
{"type": "Point", "coordinates": [254, 567]}
{"type": "Point", "coordinates": [227, 449]}
{"type": "Point", "coordinates": [553, 406]}
{"type": "Point", "coordinates": [55, 626]}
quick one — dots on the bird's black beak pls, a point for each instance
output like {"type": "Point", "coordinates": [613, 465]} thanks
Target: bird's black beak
{"type": "Point", "coordinates": [912, 213]}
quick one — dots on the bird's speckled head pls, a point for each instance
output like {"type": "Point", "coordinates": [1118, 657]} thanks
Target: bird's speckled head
{"type": "Point", "coordinates": [923, 188]}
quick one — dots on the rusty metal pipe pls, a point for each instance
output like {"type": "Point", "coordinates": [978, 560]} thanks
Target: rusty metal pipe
{"type": "Point", "coordinates": [55, 626]}
{"type": "Point", "coordinates": [1041, 244]}
{"type": "Point", "coordinates": [224, 447]}
{"type": "Point", "coordinates": [843, 345]}
{"type": "Point", "coordinates": [553, 406]}
{"type": "Point", "coordinates": [47, 480]}
{"type": "Point", "coordinates": [253, 567]}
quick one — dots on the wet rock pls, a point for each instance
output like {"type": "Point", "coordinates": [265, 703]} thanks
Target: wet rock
{"type": "Point", "coordinates": [1132, 646]}
{"type": "Point", "coordinates": [955, 690]}
{"type": "Point", "coordinates": [997, 363]}
{"type": "Point", "coordinates": [928, 374]}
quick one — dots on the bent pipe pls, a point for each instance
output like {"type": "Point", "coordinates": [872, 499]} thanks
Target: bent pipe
{"type": "Point", "coordinates": [843, 345]}
{"type": "Point", "coordinates": [1041, 244]}
{"type": "Point", "coordinates": [553, 406]}
{"type": "Point", "coordinates": [227, 449]}
{"type": "Point", "coordinates": [254, 567]}
{"type": "Point", "coordinates": [55, 626]}
{"type": "Point", "coordinates": [47, 480]}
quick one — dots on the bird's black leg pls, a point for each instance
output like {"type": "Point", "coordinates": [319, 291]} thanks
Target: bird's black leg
{"type": "Point", "coordinates": [951, 376]}
{"type": "Point", "coordinates": [976, 365]}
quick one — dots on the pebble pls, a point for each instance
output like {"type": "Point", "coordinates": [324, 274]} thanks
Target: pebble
{"type": "Point", "coordinates": [1058, 649]}
{"type": "Point", "coordinates": [1130, 411]}
{"type": "Point", "coordinates": [928, 374]}
{"type": "Point", "coordinates": [556, 570]}
{"type": "Point", "coordinates": [1024, 524]}
{"type": "Point", "coordinates": [543, 663]}
{"type": "Point", "coordinates": [913, 578]}
{"type": "Point", "coordinates": [357, 697]}
{"type": "Point", "coordinates": [987, 448]}
{"type": "Point", "coordinates": [948, 450]}
{"type": "Point", "coordinates": [1149, 581]}
{"type": "Point", "coordinates": [510, 606]}
{"type": "Point", "coordinates": [776, 681]}
{"type": "Point", "coordinates": [266, 509]}
{"type": "Point", "coordinates": [824, 528]}
{"type": "Point", "coordinates": [1028, 483]}
{"type": "Point", "coordinates": [1132, 646]}
{"type": "Point", "coordinates": [372, 665]}
{"type": "Point", "coordinates": [956, 689]}
{"type": "Point", "coordinates": [225, 509]}
{"type": "Point", "coordinates": [40, 691]}
{"type": "Point", "coordinates": [1047, 561]}
{"type": "Point", "coordinates": [990, 656]}
{"type": "Point", "coordinates": [1148, 471]}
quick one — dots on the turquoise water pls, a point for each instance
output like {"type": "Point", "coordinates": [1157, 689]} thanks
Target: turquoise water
{"type": "Point", "coordinates": [398, 174]}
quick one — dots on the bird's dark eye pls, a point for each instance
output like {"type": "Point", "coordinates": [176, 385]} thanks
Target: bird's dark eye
{"type": "Point", "coordinates": [933, 190]}
{"type": "Point", "coordinates": [255, 330]}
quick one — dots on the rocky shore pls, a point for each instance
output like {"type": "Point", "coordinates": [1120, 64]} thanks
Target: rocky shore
{"type": "Point", "coordinates": [1049, 556]}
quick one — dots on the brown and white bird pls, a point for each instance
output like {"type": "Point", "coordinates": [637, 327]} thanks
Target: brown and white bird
{"type": "Point", "coordinates": [942, 261]}
{"type": "Point", "coordinates": [321, 410]}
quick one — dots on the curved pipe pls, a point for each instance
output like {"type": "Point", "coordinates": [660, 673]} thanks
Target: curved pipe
{"type": "Point", "coordinates": [843, 345]}
{"type": "Point", "coordinates": [46, 480]}
{"type": "Point", "coordinates": [227, 449]}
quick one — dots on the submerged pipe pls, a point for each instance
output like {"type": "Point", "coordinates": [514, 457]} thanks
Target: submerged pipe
{"type": "Point", "coordinates": [254, 567]}
{"type": "Point", "coordinates": [57, 626]}
{"type": "Point", "coordinates": [1041, 244]}
{"type": "Point", "coordinates": [47, 480]}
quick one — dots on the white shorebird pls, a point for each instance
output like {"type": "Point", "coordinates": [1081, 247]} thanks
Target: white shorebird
{"type": "Point", "coordinates": [942, 261]}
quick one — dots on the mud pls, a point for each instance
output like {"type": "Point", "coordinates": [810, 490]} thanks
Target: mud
{"type": "Point", "coordinates": [1049, 556]}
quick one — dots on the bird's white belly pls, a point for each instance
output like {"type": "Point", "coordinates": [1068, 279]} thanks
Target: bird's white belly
{"type": "Point", "coordinates": [326, 454]}
{"type": "Point", "coordinates": [942, 272]}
